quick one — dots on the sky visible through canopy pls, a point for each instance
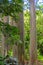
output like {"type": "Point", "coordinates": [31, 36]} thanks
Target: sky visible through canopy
{"type": "Point", "coordinates": [37, 3]}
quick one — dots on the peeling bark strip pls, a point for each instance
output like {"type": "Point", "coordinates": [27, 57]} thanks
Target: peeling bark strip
{"type": "Point", "coordinates": [33, 43]}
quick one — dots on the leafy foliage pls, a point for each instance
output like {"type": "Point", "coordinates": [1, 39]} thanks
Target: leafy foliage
{"type": "Point", "coordinates": [11, 8]}
{"type": "Point", "coordinates": [39, 31]}
{"type": "Point", "coordinates": [10, 32]}
{"type": "Point", "coordinates": [27, 33]}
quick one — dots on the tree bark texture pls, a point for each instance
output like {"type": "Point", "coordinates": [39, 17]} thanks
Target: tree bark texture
{"type": "Point", "coordinates": [33, 42]}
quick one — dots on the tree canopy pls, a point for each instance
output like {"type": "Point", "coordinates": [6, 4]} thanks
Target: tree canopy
{"type": "Point", "coordinates": [11, 7]}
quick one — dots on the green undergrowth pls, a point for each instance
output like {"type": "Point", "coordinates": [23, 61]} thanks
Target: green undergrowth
{"type": "Point", "coordinates": [40, 57]}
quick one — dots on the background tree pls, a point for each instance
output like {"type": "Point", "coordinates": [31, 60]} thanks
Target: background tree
{"type": "Point", "coordinates": [10, 8]}
{"type": "Point", "coordinates": [21, 46]}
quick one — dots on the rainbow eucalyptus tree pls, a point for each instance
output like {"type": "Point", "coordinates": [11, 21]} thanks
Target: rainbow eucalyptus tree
{"type": "Point", "coordinates": [33, 42]}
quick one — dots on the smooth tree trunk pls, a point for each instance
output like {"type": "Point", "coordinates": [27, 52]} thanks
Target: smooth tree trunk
{"type": "Point", "coordinates": [21, 46]}
{"type": "Point", "coordinates": [33, 43]}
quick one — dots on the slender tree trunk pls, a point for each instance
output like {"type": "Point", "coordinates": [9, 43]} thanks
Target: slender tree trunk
{"type": "Point", "coordinates": [21, 47]}
{"type": "Point", "coordinates": [7, 45]}
{"type": "Point", "coordinates": [6, 20]}
{"type": "Point", "coordinates": [33, 43]}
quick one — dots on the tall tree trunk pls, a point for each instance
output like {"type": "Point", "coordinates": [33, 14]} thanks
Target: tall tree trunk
{"type": "Point", "coordinates": [7, 45]}
{"type": "Point", "coordinates": [33, 43]}
{"type": "Point", "coordinates": [6, 20]}
{"type": "Point", "coordinates": [21, 47]}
